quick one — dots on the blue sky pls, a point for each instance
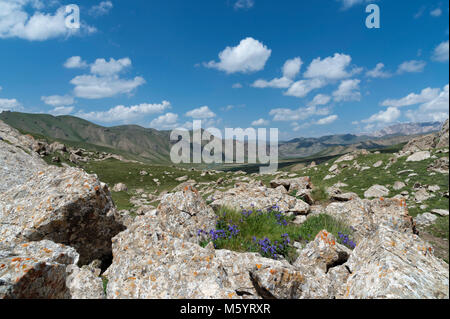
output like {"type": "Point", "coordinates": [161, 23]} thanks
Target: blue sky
{"type": "Point", "coordinates": [310, 68]}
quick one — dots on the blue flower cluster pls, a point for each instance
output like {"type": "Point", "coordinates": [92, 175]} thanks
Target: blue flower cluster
{"type": "Point", "coordinates": [345, 240]}
{"type": "Point", "coordinates": [216, 234]}
{"type": "Point", "coordinates": [275, 249]}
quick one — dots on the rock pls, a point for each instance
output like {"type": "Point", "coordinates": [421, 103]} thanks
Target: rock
{"type": "Point", "coordinates": [365, 216]}
{"type": "Point", "coordinates": [336, 194]}
{"type": "Point", "coordinates": [376, 191]}
{"type": "Point", "coordinates": [35, 270]}
{"type": "Point", "coordinates": [440, 212]}
{"type": "Point", "coordinates": [57, 147]}
{"type": "Point", "coordinates": [84, 282]}
{"type": "Point", "coordinates": [329, 177]}
{"type": "Point", "coordinates": [425, 219]}
{"type": "Point", "coordinates": [422, 195]}
{"type": "Point", "coordinates": [378, 164]}
{"type": "Point", "coordinates": [392, 264]}
{"type": "Point", "coordinates": [398, 185]}
{"type": "Point", "coordinates": [120, 187]}
{"type": "Point", "coordinates": [143, 173]}
{"type": "Point", "coordinates": [182, 178]}
{"type": "Point", "coordinates": [300, 219]}
{"type": "Point", "coordinates": [253, 196]}
{"type": "Point", "coordinates": [419, 156]}
{"type": "Point", "coordinates": [293, 184]}
{"type": "Point", "coordinates": [345, 158]}
{"type": "Point", "coordinates": [433, 188]}
{"type": "Point", "coordinates": [441, 165]}
{"type": "Point", "coordinates": [333, 168]}
{"type": "Point", "coordinates": [442, 138]}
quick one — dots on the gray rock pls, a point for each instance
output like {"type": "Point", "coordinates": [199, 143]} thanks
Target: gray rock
{"type": "Point", "coordinates": [376, 191]}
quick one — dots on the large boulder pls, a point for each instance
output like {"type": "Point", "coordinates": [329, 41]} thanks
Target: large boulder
{"type": "Point", "coordinates": [391, 264]}
{"type": "Point", "coordinates": [254, 196]}
{"type": "Point", "coordinates": [376, 191]}
{"type": "Point", "coordinates": [365, 216]}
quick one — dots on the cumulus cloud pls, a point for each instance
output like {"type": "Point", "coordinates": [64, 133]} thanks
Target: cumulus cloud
{"type": "Point", "coordinates": [105, 68]}
{"type": "Point", "coordinates": [378, 72]}
{"type": "Point", "coordinates": [103, 80]}
{"type": "Point", "coordinates": [347, 4]}
{"type": "Point", "coordinates": [331, 68]}
{"type": "Point", "coordinates": [244, 4]}
{"type": "Point", "coordinates": [260, 122]}
{"type": "Point", "coordinates": [327, 120]}
{"type": "Point", "coordinates": [426, 95]}
{"type": "Point", "coordinates": [164, 122]}
{"type": "Point", "coordinates": [9, 105]}
{"type": "Point", "coordinates": [58, 100]}
{"type": "Point", "coordinates": [62, 110]}
{"type": "Point", "coordinates": [320, 99]}
{"type": "Point", "coordinates": [291, 69]}
{"type": "Point", "coordinates": [303, 87]}
{"type": "Point", "coordinates": [237, 86]}
{"type": "Point", "coordinates": [289, 115]}
{"type": "Point", "coordinates": [412, 66]}
{"type": "Point", "coordinates": [434, 110]}
{"type": "Point", "coordinates": [348, 91]}
{"type": "Point", "coordinates": [103, 8]}
{"type": "Point", "coordinates": [249, 56]}
{"type": "Point", "coordinates": [125, 114]}
{"type": "Point", "coordinates": [388, 116]}
{"type": "Point", "coordinates": [75, 62]}
{"type": "Point", "coordinates": [441, 53]}
{"type": "Point", "coordinates": [201, 113]}
{"type": "Point", "coordinates": [25, 19]}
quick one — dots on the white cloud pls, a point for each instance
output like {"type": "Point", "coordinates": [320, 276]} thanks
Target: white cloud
{"type": "Point", "coordinates": [260, 122]}
{"type": "Point", "coordinates": [331, 68]}
{"type": "Point", "coordinates": [441, 52]}
{"type": "Point", "coordinates": [387, 116]}
{"type": "Point", "coordinates": [24, 19]}
{"type": "Point", "coordinates": [249, 56]}
{"type": "Point", "coordinates": [348, 91]}
{"type": "Point", "coordinates": [244, 4]}
{"type": "Point", "coordinates": [291, 69]}
{"type": "Point", "coordinates": [62, 110]}
{"type": "Point", "coordinates": [278, 83]}
{"type": "Point", "coordinates": [94, 87]}
{"type": "Point", "coordinates": [101, 9]}
{"type": "Point", "coordinates": [426, 95]}
{"type": "Point", "coordinates": [9, 105]}
{"type": "Point", "coordinates": [237, 86]}
{"type": "Point", "coordinates": [231, 106]}
{"type": "Point", "coordinates": [320, 99]}
{"type": "Point", "coordinates": [104, 80]}
{"type": "Point", "coordinates": [57, 100]}
{"type": "Point", "coordinates": [75, 62]}
{"type": "Point", "coordinates": [166, 121]}
{"type": "Point", "coordinates": [288, 115]}
{"type": "Point", "coordinates": [303, 87]}
{"type": "Point", "coordinates": [105, 68]}
{"type": "Point", "coordinates": [201, 113]}
{"type": "Point", "coordinates": [433, 110]}
{"type": "Point", "coordinates": [346, 4]}
{"type": "Point", "coordinates": [327, 120]}
{"type": "Point", "coordinates": [436, 12]}
{"type": "Point", "coordinates": [412, 66]}
{"type": "Point", "coordinates": [378, 72]}
{"type": "Point", "coordinates": [121, 113]}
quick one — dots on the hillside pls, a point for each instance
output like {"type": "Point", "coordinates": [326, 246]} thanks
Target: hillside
{"type": "Point", "coordinates": [135, 140]}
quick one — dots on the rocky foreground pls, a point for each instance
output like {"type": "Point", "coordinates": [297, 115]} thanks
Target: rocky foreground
{"type": "Point", "coordinates": [60, 234]}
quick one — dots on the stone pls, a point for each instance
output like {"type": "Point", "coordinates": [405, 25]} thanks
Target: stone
{"type": "Point", "coordinates": [425, 219]}
{"type": "Point", "coordinates": [182, 178]}
{"type": "Point", "coordinates": [419, 156]}
{"type": "Point", "coordinates": [395, 265]}
{"type": "Point", "coordinates": [120, 187]}
{"type": "Point", "coordinates": [441, 165]}
{"type": "Point", "coordinates": [376, 191]}
{"type": "Point", "coordinates": [378, 164]}
{"type": "Point", "coordinates": [440, 212]}
{"type": "Point", "coordinates": [399, 185]}
{"type": "Point", "coordinates": [422, 195]}
{"type": "Point", "coordinates": [84, 282]}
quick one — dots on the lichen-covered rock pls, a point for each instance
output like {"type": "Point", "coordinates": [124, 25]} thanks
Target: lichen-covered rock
{"type": "Point", "coordinates": [365, 216]}
{"type": "Point", "coordinates": [391, 264]}
{"type": "Point", "coordinates": [254, 196]}
{"type": "Point", "coordinates": [419, 156]}
{"type": "Point", "coordinates": [376, 191]}
{"type": "Point", "coordinates": [84, 282]}
{"type": "Point", "coordinates": [183, 214]}
{"type": "Point", "coordinates": [66, 206]}
{"type": "Point", "coordinates": [35, 270]}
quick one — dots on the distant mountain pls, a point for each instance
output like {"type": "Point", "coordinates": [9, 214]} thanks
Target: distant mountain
{"type": "Point", "coordinates": [136, 142]}
{"type": "Point", "coordinates": [407, 129]}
